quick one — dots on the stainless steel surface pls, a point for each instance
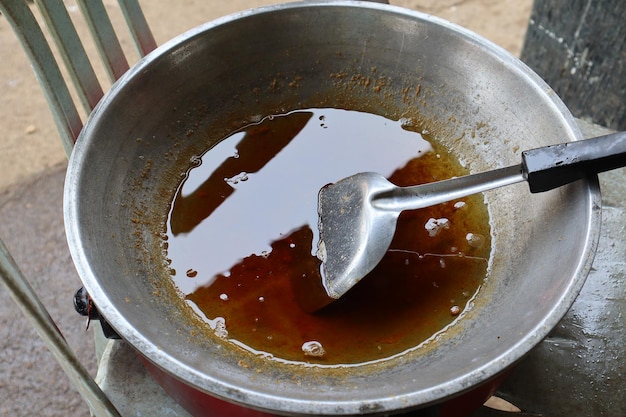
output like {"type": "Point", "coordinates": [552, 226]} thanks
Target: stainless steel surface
{"type": "Point", "coordinates": [358, 214]}
{"type": "Point", "coordinates": [368, 57]}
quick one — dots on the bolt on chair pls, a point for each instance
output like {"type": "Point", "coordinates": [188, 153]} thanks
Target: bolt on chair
{"type": "Point", "coordinates": [66, 109]}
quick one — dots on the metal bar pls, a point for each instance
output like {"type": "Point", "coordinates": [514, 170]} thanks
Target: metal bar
{"type": "Point", "coordinates": [139, 29]}
{"type": "Point", "coordinates": [105, 38]}
{"type": "Point", "coordinates": [25, 297]}
{"type": "Point", "coordinates": [44, 64]}
{"type": "Point", "coordinates": [72, 51]}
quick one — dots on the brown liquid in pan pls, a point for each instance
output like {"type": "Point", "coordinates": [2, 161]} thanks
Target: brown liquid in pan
{"type": "Point", "coordinates": [242, 238]}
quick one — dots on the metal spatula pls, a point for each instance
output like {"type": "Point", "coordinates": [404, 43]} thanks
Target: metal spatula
{"type": "Point", "coordinates": [358, 214]}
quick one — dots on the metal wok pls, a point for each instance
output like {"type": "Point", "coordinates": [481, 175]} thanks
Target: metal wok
{"type": "Point", "coordinates": [478, 100]}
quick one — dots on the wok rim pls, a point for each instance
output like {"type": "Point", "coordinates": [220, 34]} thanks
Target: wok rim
{"type": "Point", "coordinates": [276, 403]}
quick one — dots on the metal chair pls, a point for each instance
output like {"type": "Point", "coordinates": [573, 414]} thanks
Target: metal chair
{"type": "Point", "coordinates": [72, 52]}
{"type": "Point", "coordinates": [67, 116]}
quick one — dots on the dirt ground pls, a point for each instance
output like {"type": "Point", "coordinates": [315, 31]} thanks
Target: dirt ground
{"type": "Point", "coordinates": [32, 162]}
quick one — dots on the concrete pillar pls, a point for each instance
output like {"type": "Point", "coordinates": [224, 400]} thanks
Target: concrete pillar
{"type": "Point", "coordinates": [579, 48]}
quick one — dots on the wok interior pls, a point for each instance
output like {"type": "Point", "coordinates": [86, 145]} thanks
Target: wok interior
{"type": "Point", "coordinates": [201, 86]}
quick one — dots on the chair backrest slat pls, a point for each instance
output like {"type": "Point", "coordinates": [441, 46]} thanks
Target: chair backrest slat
{"type": "Point", "coordinates": [138, 26]}
{"type": "Point", "coordinates": [72, 51]}
{"type": "Point", "coordinates": [69, 124]}
{"type": "Point", "coordinates": [105, 38]}
{"type": "Point", "coordinates": [60, 101]}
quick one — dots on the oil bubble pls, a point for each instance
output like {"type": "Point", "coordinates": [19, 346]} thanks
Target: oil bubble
{"type": "Point", "coordinates": [406, 122]}
{"type": "Point", "coordinates": [195, 160]}
{"type": "Point", "coordinates": [242, 176]}
{"type": "Point", "coordinates": [475, 240]}
{"type": "Point", "coordinates": [219, 327]}
{"type": "Point", "coordinates": [321, 251]}
{"type": "Point", "coordinates": [313, 348]}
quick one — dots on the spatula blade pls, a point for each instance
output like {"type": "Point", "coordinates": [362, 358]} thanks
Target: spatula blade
{"type": "Point", "coordinates": [354, 235]}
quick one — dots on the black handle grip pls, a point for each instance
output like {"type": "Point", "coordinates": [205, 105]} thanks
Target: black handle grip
{"type": "Point", "coordinates": [556, 165]}
{"type": "Point", "coordinates": [85, 307]}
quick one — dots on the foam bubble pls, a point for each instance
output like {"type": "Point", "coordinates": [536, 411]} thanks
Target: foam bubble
{"type": "Point", "coordinates": [313, 348]}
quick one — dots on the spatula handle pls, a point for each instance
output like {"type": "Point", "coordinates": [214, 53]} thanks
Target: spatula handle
{"type": "Point", "coordinates": [424, 195]}
{"type": "Point", "coordinates": [556, 165]}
